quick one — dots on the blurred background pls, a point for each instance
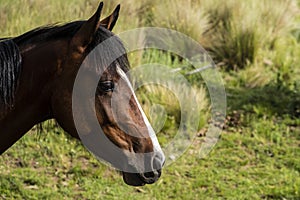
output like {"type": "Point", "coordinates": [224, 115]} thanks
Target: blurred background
{"type": "Point", "coordinates": [256, 46]}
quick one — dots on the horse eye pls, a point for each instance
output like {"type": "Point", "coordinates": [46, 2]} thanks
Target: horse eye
{"type": "Point", "coordinates": [106, 86]}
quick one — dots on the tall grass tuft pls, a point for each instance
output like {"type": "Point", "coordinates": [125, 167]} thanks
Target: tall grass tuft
{"type": "Point", "coordinates": [242, 29]}
{"type": "Point", "coordinates": [235, 32]}
{"type": "Point", "coordinates": [182, 16]}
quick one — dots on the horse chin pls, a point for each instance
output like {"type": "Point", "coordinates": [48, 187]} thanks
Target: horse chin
{"type": "Point", "coordinates": [133, 179]}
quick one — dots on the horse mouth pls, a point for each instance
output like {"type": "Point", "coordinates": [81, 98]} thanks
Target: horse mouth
{"type": "Point", "coordinates": [139, 179]}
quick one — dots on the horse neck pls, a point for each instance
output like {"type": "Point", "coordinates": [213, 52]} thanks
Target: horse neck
{"type": "Point", "coordinates": [32, 99]}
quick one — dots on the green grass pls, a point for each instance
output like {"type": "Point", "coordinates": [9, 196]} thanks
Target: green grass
{"type": "Point", "coordinates": [257, 161]}
{"type": "Point", "coordinates": [258, 155]}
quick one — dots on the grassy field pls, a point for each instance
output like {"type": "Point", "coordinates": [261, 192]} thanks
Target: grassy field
{"type": "Point", "coordinates": [255, 44]}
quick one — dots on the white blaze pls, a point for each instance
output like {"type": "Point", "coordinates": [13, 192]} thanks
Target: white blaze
{"type": "Point", "coordinates": [152, 134]}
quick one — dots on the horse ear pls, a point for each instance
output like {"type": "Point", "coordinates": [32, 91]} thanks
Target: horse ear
{"type": "Point", "coordinates": [85, 34]}
{"type": "Point", "coordinates": [110, 21]}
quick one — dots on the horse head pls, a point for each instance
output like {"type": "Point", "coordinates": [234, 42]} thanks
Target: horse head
{"type": "Point", "coordinates": [131, 143]}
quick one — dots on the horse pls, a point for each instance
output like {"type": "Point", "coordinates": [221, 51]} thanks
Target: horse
{"type": "Point", "coordinates": [37, 74]}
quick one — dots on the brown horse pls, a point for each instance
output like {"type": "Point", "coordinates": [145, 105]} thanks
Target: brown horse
{"type": "Point", "coordinates": [37, 75]}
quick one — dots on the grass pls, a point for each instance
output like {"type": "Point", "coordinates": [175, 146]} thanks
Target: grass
{"type": "Point", "coordinates": [258, 154]}
{"type": "Point", "coordinates": [260, 161]}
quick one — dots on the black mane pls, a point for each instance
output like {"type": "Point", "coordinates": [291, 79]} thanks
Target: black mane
{"type": "Point", "coordinates": [48, 33]}
{"type": "Point", "coordinates": [11, 60]}
{"type": "Point", "coordinates": [10, 68]}
{"type": "Point", "coordinates": [111, 48]}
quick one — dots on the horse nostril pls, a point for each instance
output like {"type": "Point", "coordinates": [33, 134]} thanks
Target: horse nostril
{"type": "Point", "coordinates": [151, 177]}
{"type": "Point", "coordinates": [154, 166]}
{"type": "Point", "coordinates": [158, 173]}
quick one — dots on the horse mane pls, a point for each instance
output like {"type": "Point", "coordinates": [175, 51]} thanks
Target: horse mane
{"type": "Point", "coordinates": [53, 32]}
{"type": "Point", "coordinates": [48, 33]}
{"type": "Point", "coordinates": [10, 68]}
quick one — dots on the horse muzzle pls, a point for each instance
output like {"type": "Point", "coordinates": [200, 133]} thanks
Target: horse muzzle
{"type": "Point", "coordinates": [149, 177]}
{"type": "Point", "coordinates": [140, 179]}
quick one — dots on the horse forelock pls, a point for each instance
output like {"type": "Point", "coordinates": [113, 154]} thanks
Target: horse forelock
{"type": "Point", "coordinates": [110, 50]}
{"type": "Point", "coordinates": [10, 68]}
